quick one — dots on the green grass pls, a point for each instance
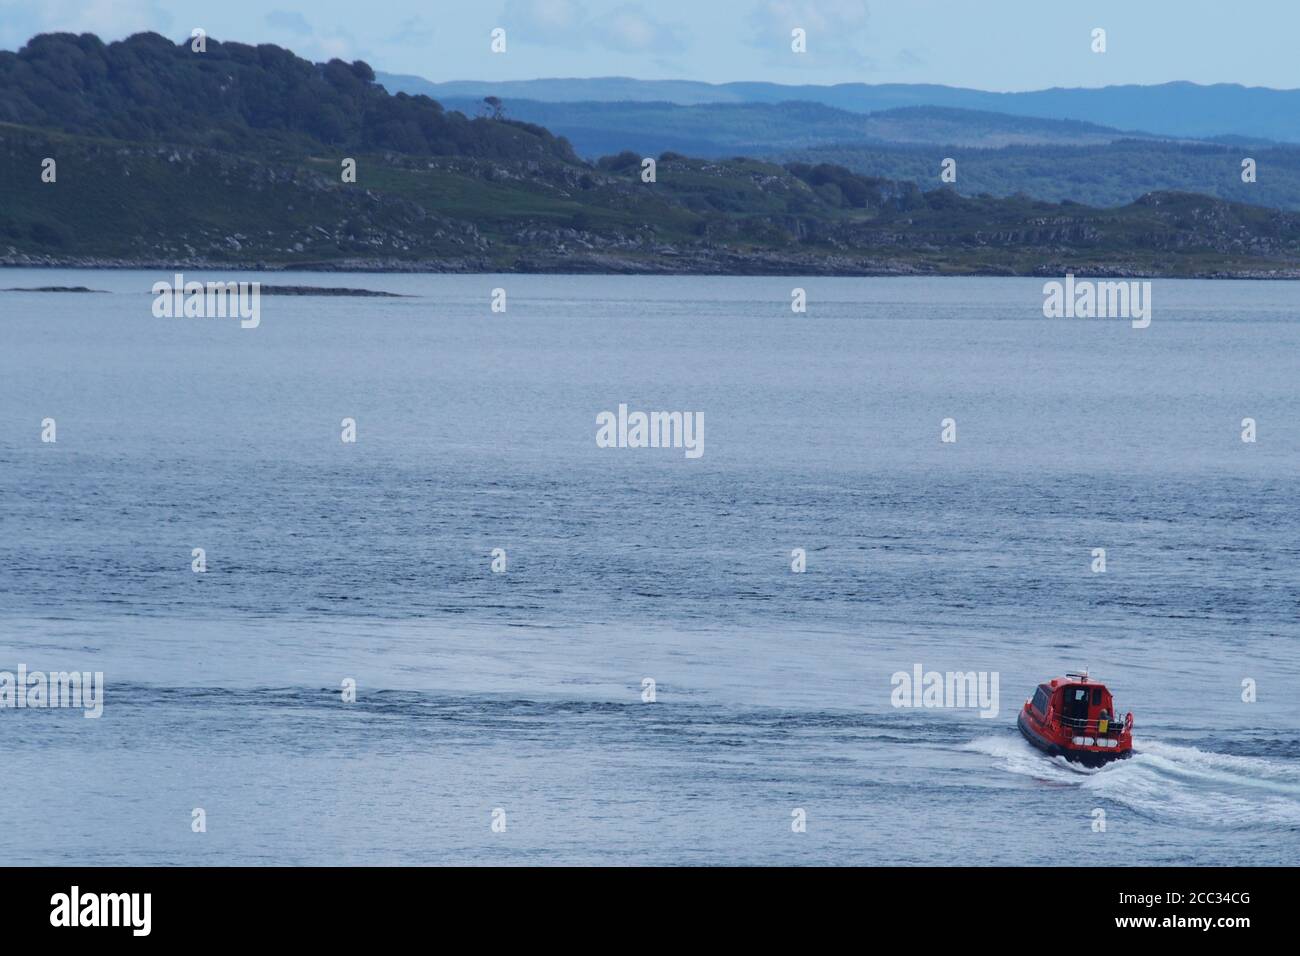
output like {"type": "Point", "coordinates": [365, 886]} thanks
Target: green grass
{"type": "Point", "coordinates": [139, 202]}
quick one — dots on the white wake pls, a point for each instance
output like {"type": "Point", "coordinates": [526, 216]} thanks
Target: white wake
{"type": "Point", "coordinates": [1170, 782]}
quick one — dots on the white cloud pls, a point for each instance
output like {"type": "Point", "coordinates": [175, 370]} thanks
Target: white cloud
{"type": "Point", "coordinates": [569, 24]}
{"type": "Point", "coordinates": [110, 19]}
{"type": "Point", "coordinates": [548, 22]}
{"type": "Point", "coordinates": [288, 21]}
{"type": "Point", "coordinates": [297, 34]}
{"type": "Point", "coordinates": [834, 27]}
{"type": "Point", "coordinates": [630, 30]}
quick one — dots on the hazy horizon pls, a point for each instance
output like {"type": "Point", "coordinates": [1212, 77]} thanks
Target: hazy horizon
{"type": "Point", "coordinates": [743, 80]}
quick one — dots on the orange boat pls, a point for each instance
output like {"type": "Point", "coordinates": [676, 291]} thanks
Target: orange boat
{"type": "Point", "coordinates": [1074, 717]}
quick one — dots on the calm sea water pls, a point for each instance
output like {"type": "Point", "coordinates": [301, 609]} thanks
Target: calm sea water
{"type": "Point", "coordinates": [523, 691]}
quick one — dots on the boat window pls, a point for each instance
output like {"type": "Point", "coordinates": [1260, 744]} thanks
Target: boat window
{"type": "Point", "coordinates": [1040, 701]}
{"type": "Point", "coordinates": [1096, 696]}
{"type": "Point", "coordinates": [1076, 704]}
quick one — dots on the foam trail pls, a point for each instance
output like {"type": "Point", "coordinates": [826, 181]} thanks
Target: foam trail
{"type": "Point", "coordinates": [1166, 781]}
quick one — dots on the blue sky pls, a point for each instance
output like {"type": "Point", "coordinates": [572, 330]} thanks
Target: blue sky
{"type": "Point", "coordinates": [995, 45]}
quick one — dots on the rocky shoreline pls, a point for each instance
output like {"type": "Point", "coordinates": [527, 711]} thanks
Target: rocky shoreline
{"type": "Point", "coordinates": [719, 263]}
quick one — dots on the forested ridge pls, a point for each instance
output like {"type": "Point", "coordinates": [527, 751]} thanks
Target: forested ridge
{"type": "Point", "coordinates": [236, 96]}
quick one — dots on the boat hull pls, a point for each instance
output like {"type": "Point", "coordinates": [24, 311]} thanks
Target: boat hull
{"type": "Point", "coordinates": [1085, 757]}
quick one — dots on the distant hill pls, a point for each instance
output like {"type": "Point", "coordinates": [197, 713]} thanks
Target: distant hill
{"type": "Point", "coordinates": [1182, 110]}
{"type": "Point", "coordinates": [997, 154]}
{"type": "Point", "coordinates": [166, 158]}
{"type": "Point", "coordinates": [725, 129]}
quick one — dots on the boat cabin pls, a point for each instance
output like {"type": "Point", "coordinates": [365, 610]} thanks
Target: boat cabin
{"type": "Point", "coordinates": [1081, 706]}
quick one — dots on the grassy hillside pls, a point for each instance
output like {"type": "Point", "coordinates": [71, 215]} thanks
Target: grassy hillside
{"type": "Point", "coordinates": [119, 203]}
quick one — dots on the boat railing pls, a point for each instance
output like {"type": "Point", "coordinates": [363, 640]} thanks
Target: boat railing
{"type": "Point", "coordinates": [1081, 725]}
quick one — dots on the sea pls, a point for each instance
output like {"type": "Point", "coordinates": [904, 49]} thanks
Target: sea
{"type": "Point", "coordinates": [476, 636]}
